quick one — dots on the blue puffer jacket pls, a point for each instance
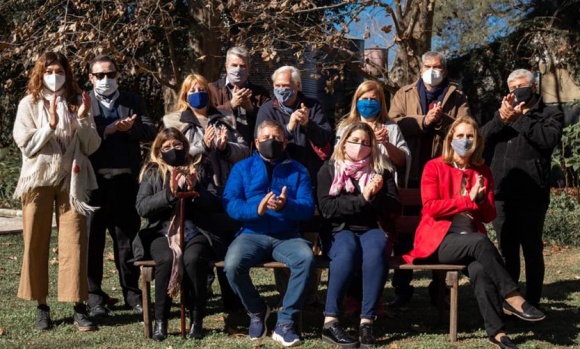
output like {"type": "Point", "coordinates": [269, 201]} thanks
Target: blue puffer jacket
{"type": "Point", "coordinates": [248, 184]}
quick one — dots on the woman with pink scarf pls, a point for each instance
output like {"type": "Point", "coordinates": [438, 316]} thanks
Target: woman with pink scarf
{"type": "Point", "coordinates": [356, 191]}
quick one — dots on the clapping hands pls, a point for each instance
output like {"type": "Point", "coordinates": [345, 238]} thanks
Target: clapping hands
{"type": "Point", "coordinates": [180, 180]}
{"type": "Point", "coordinates": [272, 202]}
{"type": "Point", "coordinates": [373, 187]}
{"type": "Point", "coordinates": [477, 191]}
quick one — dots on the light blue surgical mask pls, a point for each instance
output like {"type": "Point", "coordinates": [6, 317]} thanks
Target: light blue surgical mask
{"type": "Point", "coordinates": [461, 146]}
{"type": "Point", "coordinates": [284, 94]}
{"type": "Point", "coordinates": [368, 108]}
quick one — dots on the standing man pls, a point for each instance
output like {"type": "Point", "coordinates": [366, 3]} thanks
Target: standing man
{"type": "Point", "coordinates": [424, 110]}
{"type": "Point", "coordinates": [235, 93]}
{"type": "Point", "coordinates": [270, 203]}
{"type": "Point", "coordinates": [519, 141]}
{"type": "Point", "coordinates": [122, 122]}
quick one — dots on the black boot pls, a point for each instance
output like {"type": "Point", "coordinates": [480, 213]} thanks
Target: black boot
{"type": "Point", "coordinates": [196, 330]}
{"type": "Point", "coordinates": [366, 338]}
{"type": "Point", "coordinates": [160, 330]}
{"type": "Point", "coordinates": [43, 321]}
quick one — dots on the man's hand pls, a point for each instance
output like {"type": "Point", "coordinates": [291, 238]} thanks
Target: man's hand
{"type": "Point", "coordinates": [263, 206]}
{"type": "Point", "coordinates": [298, 117]}
{"type": "Point", "coordinates": [507, 111]}
{"type": "Point", "coordinates": [434, 114]}
{"type": "Point", "coordinates": [126, 124]}
{"type": "Point", "coordinates": [241, 97]}
{"type": "Point", "coordinates": [277, 203]}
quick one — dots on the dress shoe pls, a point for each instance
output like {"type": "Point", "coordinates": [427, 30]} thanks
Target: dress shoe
{"type": "Point", "coordinates": [111, 301]}
{"type": "Point", "coordinates": [196, 330]}
{"type": "Point", "coordinates": [99, 311]}
{"type": "Point", "coordinates": [137, 308]}
{"type": "Point", "coordinates": [528, 313]}
{"type": "Point", "coordinates": [82, 320]}
{"type": "Point", "coordinates": [503, 343]}
{"type": "Point", "coordinates": [337, 335]}
{"type": "Point", "coordinates": [43, 321]}
{"type": "Point", "coordinates": [160, 330]}
{"type": "Point", "coordinates": [366, 338]}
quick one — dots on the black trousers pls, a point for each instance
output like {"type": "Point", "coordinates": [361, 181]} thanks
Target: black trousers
{"type": "Point", "coordinates": [196, 257]}
{"type": "Point", "coordinates": [117, 214]}
{"type": "Point", "coordinates": [521, 224]}
{"type": "Point", "coordinates": [486, 271]}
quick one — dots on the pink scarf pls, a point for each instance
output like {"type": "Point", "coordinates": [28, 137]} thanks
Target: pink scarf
{"type": "Point", "coordinates": [345, 171]}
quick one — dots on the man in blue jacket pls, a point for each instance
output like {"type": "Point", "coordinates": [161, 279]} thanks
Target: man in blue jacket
{"type": "Point", "coordinates": [269, 194]}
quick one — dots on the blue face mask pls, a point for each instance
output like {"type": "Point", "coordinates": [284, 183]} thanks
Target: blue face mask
{"type": "Point", "coordinates": [461, 146]}
{"type": "Point", "coordinates": [284, 94]}
{"type": "Point", "coordinates": [368, 108]}
{"type": "Point", "coordinates": [198, 100]}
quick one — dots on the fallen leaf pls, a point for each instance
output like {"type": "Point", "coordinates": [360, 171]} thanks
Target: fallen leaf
{"type": "Point", "coordinates": [110, 257]}
{"type": "Point", "coordinates": [394, 346]}
{"type": "Point", "coordinates": [55, 250]}
{"type": "Point", "coordinates": [1, 331]}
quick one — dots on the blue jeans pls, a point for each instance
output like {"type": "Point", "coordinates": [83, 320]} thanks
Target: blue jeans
{"type": "Point", "coordinates": [348, 251]}
{"type": "Point", "coordinates": [248, 250]}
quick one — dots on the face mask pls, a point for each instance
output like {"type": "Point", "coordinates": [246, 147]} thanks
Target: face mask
{"type": "Point", "coordinates": [198, 100]}
{"type": "Point", "coordinates": [105, 86]}
{"type": "Point", "coordinates": [237, 75]}
{"type": "Point", "coordinates": [271, 148]}
{"type": "Point", "coordinates": [284, 94]}
{"type": "Point", "coordinates": [368, 108]}
{"type": "Point", "coordinates": [174, 157]}
{"type": "Point", "coordinates": [53, 82]}
{"type": "Point", "coordinates": [461, 146]}
{"type": "Point", "coordinates": [357, 151]}
{"type": "Point", "coordinates": [523, 94]}
{"type": "Point", "coordinates": [432, 77]}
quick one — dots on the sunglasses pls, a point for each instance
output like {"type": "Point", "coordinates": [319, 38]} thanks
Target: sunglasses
{"type": "Point", "coordinates": [101, 76]}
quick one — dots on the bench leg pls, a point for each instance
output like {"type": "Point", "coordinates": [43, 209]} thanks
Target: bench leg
{"type": "Point", "coordinates": [146, 278]}
{"type": "Point", "coordinates": [441, 295]}
{"type": "Point", "coordinates": [452, 280]}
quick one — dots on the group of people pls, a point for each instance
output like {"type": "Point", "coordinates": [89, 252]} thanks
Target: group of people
{"type": "Point", "coordinates": [251, 171]}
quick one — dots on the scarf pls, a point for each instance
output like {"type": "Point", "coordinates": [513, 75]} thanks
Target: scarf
{"type": "Point", "coordinates": [436, 94]}
{"type": "Point", "coordinates": [177, 267]}
{"type": "Point", "coordinates": [345, 171]}
{"type": "Point", "coordinates": [67, 121]}
{"type": "Point", "coordinates": [108, 102]}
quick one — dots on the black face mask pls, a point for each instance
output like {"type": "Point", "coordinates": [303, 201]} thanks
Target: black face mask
{"type": "Point", "coordinates": [523, 94]}
{"type": "Point", "coordinates": [174, 157]}
{"type": "Point", "coordinates": [271, 149]}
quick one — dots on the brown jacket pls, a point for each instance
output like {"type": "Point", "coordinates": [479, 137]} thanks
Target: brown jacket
{"type": "Point", "coordinates": [425, 143]}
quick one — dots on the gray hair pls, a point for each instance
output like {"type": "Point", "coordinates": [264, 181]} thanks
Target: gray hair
{"type": "Point", "coordinates": [270, 123]}
{"type": "Point", "coordinates": [239, 51]}
{"type": "Point", "coordinates": [522, 73]}
{"type": "Point", "coordinates": [295, 74]}
{"type": "Point", "coordinates": [434, 54]}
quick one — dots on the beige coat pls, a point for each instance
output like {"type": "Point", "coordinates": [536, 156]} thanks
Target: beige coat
{"type": "Point", "coordinates": [425, 144]}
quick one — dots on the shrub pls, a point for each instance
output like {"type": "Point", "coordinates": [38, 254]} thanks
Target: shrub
{"type": "Point", "coordinates": [10, 163]}
{"type": "Point", "coordinates": [562, 225]}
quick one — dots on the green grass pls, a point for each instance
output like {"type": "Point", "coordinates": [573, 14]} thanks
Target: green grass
{"type": "Point", "coordinates": [416, 327]}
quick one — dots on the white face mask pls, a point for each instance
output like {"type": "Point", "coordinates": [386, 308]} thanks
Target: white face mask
{"type": "Point", "coordinates": [105, 86]}
{"type": "Point", "coordinates": [432, 77]}
{"type": "Point", "coordinates": [53, 82]}
{"type": "Point", "coordinates": [237, 75]}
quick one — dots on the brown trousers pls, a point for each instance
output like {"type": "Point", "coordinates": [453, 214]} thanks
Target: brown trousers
{"type": "Point", "coordinates": [37, 208]}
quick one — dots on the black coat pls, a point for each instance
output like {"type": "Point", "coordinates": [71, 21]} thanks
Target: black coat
{"type": "Point", "coordinates": [519, 153]}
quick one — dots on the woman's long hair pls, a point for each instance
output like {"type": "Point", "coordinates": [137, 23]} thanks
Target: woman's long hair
{"type": "Point", "coordinates": [35, 83]}
{"type": "Point", "coordinates": [476, 151]}
{"type": "Point", "coordinates": [378, 165]}
{"type": "Point", "coordinates": [189, 81]}
{"type": "Point", "coordinates": [354, 115]}
{"type": "Point", "coordinates": [155, 159]}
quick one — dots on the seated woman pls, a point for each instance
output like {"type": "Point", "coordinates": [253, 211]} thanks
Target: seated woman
{"type": "Point", "coordinates": [355, 191]}
{"type": "Point", "coordinates": [457, 195]}
{"type": "Point", "coordinates": [169, 171]}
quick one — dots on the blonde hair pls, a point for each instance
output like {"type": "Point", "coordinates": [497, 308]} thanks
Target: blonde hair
{"type": "Point", "coordinates": [189, 81]}
{"type": "Point", "coordinates": [354, 115]}
{"type": "Point", "coordinates": [476, 150]}
{"type": "Point", "coordinates": [155, 159]}
{"type": "Point", "coordinates": [378, 165]}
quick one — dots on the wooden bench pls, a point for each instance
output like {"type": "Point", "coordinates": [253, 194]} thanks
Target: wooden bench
{"type": "Point", "coordinates": [406, 224]}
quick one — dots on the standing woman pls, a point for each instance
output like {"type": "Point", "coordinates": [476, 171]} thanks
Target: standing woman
{"type": "Point", "coordinates": [457, 195]}
{"type": "Point", "coordinates": [55, 134]}
{"type": "Point", "coordinates": [172, 169]}
{"type": "Point", "coordinates": [369, 106]}
{"type": "Point", "coordinates": [355, 191]}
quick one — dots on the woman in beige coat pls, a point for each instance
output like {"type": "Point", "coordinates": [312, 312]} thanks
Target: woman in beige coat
{"type": "Point", "coordinates": [55, 134]}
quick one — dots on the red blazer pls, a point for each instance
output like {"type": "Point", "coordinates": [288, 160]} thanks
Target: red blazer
{"type": "Point", "coordinates": [440, 186]}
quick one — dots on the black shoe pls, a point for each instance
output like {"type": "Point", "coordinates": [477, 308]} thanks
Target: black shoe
{"type": "Point", "coordinates": [337, 335]}
{"type": "Point", "coordinates": [196, 330]}
{"type": "Point", "coordinates": [503, 343]}
{"type": "Point", "coordinates": [82, 320]}
{"type": "Point", "coordinates": [365, 333]}
{"type": "Point", "coordinates": [160, 330]}
{"type": "Point", "coordinates": [138, 309]}
{"type": "Point", "coordinates": [528, 313]}
{"type": "Point", "coordinates": [43, 321]}
{"type": "Point", "coordinates": [99, 311]}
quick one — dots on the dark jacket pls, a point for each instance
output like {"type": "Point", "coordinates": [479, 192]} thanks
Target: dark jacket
{"type": "Point", "coordinates": [519, 153]}
{"type": "Point", "coordinates": [143, 130]}
{"type": "Point", "coordinates": [244, 124]}
{"type": "Point", "coordinates": [299, 148]}
{"type": "Point", "coordinates": [157, 205]}
{"type": "Point", "coordinates": [350, 210]}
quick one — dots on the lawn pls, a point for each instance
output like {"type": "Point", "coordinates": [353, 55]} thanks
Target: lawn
{"type": "Point", "coordinates": [414, 327]}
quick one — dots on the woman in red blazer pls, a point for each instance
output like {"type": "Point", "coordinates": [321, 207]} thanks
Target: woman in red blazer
{"type": "Point", "coordinates": [457, 195]}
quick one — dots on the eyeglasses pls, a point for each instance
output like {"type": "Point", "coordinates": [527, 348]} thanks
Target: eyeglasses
{"type": "Point", "coordinates": [101, 76]}
{"type": "Point", "coordinates": [175, 145]}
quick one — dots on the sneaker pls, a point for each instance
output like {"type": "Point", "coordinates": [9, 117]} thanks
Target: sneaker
{"type": "Point", "coordinates": [99, 311]}
{"type": "Point", "coordinates": [366, 335]}
{"type": "Point", "coordinates": [82, 320]}
{"type": "Point", "coordinates": [285, 334]}
{"type": "Point", "coordinates": [258, 327]}
{"type": "Point", "coordinates": [43, 321]}
{"type": "Point", "coordinates": [337, 335]}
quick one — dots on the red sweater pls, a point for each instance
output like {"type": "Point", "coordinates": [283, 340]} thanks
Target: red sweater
{"type": "Point", "coordinates": [440, 188]}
